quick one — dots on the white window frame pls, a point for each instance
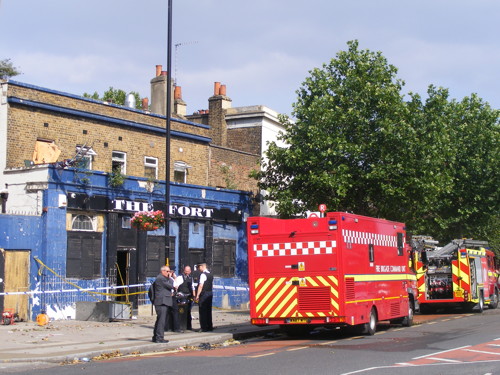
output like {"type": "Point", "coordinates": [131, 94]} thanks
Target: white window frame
{"type": "Point", "coordinates": [87, 153]}
{"type": "Point", "coordinates": [121, 158]}
{"type": "Point", "coordinates": [91, 219]}
{"type": "Point", "coordinates": [182, 167]}
{"type": "Point", "coordinates": [148, 163]}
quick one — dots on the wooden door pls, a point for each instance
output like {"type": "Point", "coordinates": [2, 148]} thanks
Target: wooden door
{"type": "Point", "coordinates": [16, 271]}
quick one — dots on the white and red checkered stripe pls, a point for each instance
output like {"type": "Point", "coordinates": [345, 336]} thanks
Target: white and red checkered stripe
{"type": "Point", "coordinates": [294, 248]}
{"type": "Point", "coordinates": [365, 238]}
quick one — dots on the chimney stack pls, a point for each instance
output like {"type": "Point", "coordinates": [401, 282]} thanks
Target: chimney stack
{"type": "Point", "coordinates": [180, 107]}
{"type": "Point", "coordinates": [217, 106]}
{"type": "Point", "coordinates": [159, 92]}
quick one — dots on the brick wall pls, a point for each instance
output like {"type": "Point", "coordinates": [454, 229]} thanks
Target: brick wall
{"type": "Point", "coordinates": [27, 124]}
{"type": "Point", "coordinates": [245, 139]}
{"type": "Point", "coordinates": [231, 169]}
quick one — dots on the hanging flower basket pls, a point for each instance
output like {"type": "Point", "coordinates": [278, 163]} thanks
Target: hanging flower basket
{"type": "Point", "coordinates": [148, 220]}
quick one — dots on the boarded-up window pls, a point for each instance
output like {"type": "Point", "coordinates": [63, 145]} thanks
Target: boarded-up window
{"type": "Point", "coordinates": [155, 254]}
{"type": "Point", "coordinates": [223, 260]}
{"type": "Point", "coordinates": [83, 259]}
{"type": "Point", "coordinates": [45, 152]}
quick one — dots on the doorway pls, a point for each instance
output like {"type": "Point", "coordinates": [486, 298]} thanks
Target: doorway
{"type": "Point", "coordinates": [122, 272]}
{"type": "Point", "coordinates": [15, 276]}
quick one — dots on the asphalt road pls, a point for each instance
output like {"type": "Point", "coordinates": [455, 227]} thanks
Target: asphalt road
{"type": "Point", "coordinates": [442, 344]}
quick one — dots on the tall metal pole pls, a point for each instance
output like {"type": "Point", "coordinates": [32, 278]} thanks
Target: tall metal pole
{"type": "Point", "coordinates": [167, 141]}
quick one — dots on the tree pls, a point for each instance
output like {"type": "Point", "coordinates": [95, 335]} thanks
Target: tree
{"type": "Point", "coordinates": [345, 147]}
{"type": "Point", "coordinates": [358, 146]}
{"type": "Point", "coordinates": [472, 204]}
{"type": "Point", "coordinates": [7, 69]}
{"type": "Point", "coordinates": [116, 96]}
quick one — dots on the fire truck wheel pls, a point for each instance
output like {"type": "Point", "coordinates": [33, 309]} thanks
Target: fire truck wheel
{"type": "Point", "coordinates": [480, 304]}
{"type": "Point", "coordinates": [408, 320]}
{"type": "Point", "coordinates": [494, 300]}
{"type": "Point", "coordinates": [6, 321]}
{"type": "Point", "coordinates": [371, 327]}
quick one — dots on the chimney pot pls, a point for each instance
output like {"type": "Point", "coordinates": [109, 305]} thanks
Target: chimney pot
{"type": "Point", "coordinates": [158, 70]}
{"type": "Point", "coordinates": [178, 93]}
{"type": "Point", "coordinates": [145, 104]}
{"type": "Point", "coordinates": [222, 90]}
{"type": "Point", "coordinates": [216, 88]}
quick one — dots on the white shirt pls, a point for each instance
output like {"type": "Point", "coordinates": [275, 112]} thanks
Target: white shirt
{"type": "Point", "coordinates": [203, 277]}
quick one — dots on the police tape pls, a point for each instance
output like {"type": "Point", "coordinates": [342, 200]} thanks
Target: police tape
{"type": "Point", "coordinates": [145, 285]}
{"type": "Point", "coordinates": [33, 292]}
{"type": "Point", "coordinates": [96, 291]}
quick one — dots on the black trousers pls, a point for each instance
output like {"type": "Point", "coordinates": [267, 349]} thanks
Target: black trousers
{"type": "Point", "coordinates": [205, 306]}
{"type": "Point", "coordinates": [172, 318]}
{"type": "Point", "coordinates": [161, 319]}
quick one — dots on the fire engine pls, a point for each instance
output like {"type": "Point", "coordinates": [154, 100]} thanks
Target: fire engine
{"type": "Point", "coordinates": [340, 269]}
{"type": "Point", "coordinates": [460, 274]}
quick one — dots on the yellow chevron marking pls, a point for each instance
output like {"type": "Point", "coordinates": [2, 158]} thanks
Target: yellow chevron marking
{"type": "Point", "coordinates": [312, 281]}
{"type": "Point", "coordinates": [258, 294]}
{"type": "Point", "coordinates": [334, 292]}
{"type": "Point", "coordinates": [321, 314]}
{"type": "Point", "coordinates": [278, 284]}
{"type": "Point", "coordinates": [290, 307]}
{"type": "Point", "coordinates": [286, 299]}
{"type": "Point", "coordinates": [323, 281]}
{"type": "Point", "coordinates": [335, 304]}
{"type": "Point", "coordinates": [257, 282]}
{"type": "Point", "coordinates": [464, 275]}
{"type": "Point", "coordinates": [310, 315]}
{"type": "Point", "coordinates": [334, 280]}
{"type": "Point", "coordinates": [286, 289]}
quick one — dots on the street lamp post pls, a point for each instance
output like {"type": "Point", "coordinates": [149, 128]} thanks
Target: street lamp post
{"type": "Point", "coordinates": [167, 130]}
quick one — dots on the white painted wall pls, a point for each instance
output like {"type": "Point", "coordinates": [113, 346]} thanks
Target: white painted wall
{"type": "Point", "coordinates": [25, 187]}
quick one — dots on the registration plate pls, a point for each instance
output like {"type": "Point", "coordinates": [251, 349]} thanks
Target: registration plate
{"type": "Point", "coordinates": [298, 320]}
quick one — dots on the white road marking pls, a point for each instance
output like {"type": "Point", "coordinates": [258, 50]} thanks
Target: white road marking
{"type": "Point", "coordinates": [444, 351]}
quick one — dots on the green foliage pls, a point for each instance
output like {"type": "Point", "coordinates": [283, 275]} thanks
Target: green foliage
{"type": "Point", "coordinates": [357, 145]}
{"type": "Point", "coordinates": [116, 178]}
{"type": "Point", "coordinates": [116, 96]}
{"type": "Point", "coordinates": [7, 69]}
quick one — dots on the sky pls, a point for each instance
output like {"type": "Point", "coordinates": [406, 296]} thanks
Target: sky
{"type": "Point", "coordinates": [262, 50]}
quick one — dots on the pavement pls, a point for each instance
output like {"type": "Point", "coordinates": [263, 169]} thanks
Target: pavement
{"type": "Point", "coordinates": [73, 341]}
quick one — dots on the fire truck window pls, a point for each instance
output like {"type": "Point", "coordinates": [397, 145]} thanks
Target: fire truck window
{"type": "Point", "coordinates": [400, 244]}
{"type": "Point", "coordinates": [371, 253]}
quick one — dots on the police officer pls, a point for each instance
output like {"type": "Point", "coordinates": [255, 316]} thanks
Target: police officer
{"type": "Point", "coordinates": [204, 297]}
{"type": "Point", "coordinates": [185, 286]}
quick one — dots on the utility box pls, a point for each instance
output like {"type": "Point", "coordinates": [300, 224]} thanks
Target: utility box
{"type": "Point", "coordinates": [104, 311]}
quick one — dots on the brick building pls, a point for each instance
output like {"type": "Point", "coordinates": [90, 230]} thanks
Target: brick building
{"type": "Point", "coordinates": [74, 171]}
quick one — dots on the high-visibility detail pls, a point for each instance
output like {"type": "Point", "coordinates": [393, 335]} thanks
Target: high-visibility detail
{"type": "Point", "coordinates": [365, 238]}
{"type": "Point", "coordinates": [294, 248]}
{"type": "Point", "coordinates": [377, 299]}
{"type": "Point", "coordinates": [278, 297]}
{"type": "Point", "coordinates": [381, 277]}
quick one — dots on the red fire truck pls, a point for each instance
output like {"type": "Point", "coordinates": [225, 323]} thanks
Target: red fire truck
{"type": "Point", "coordinates": [460, 274]}
{"type": "Point", "coordinates": [338, 270]}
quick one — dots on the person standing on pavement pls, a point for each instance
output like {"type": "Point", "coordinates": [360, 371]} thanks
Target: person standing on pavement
{"type": "Point", "coordinates": [163, 287]}
{"type": "Point", "coordinates": [204, 297]}
{"type": "Point", "coordinates": [184, 284]}
{"type": "Point", "coordinates": [172, 323]}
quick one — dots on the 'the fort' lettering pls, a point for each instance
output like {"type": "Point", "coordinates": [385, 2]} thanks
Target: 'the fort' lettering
{"type": "Point", "coordinates": [174, 210]}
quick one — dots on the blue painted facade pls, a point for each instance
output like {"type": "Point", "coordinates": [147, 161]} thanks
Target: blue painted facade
{"type": "Point", "coordinates": [46, 236]}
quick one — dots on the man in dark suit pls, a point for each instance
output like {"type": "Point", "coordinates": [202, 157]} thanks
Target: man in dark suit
{"type": "Point", "coordinates": [164, 285]}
